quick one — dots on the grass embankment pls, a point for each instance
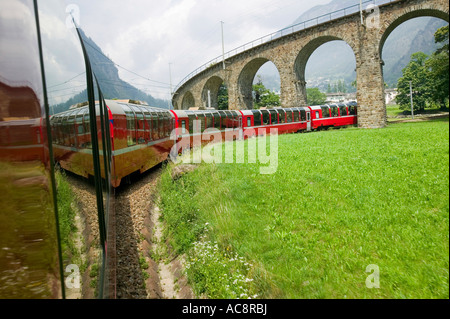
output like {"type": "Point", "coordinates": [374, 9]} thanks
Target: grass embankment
{"type": "Point", "coordinates": [339, 202]}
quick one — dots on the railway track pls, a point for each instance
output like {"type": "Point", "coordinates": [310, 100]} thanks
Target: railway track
{"type": "Point", "coordinates": [138, 237]}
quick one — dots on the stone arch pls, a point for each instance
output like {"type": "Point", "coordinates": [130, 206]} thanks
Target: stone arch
{"type": "Point", "coordinates": [303, 56]}
{"type": "Point", "coordinates": [212, 85]}
{"type": "Point", "coordinates": [245, 81]}
{"type": "Point", "coordinates": [188, 101]}
{"type": "Point", "coordinates": [395, 21]}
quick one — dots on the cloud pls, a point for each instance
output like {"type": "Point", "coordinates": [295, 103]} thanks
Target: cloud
{"type": "Point", "coordinates": [146, 35]}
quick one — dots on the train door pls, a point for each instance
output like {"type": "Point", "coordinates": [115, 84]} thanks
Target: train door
{"type": "Point", "coordinates": [308, 121]}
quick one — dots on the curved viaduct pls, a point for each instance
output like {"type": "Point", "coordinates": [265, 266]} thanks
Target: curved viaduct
{"type": "Point", "coordinates": [290, 55]}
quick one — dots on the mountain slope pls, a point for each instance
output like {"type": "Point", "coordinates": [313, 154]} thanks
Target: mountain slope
{"type": "Point", "coordinates": [110, 83]}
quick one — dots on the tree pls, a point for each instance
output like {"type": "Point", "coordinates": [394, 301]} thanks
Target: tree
{"type": "Point", "coordinates": [222, 98]}
{"type": "Point", "coordinates": [315, 97]}
{"type": "Point", "coordinates": [417, 72]}
{"type": "Point", "coordinates": [263, 97]}
{"type": "Point", "coordinates": [438, 65]}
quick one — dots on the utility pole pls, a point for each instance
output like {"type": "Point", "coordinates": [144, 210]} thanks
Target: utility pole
{"type": "Point", "coordinates": [223, 47]}
{"type": "Point", "coordinates": [170, 77]}
{"type": "Point", "coordinates": [361, 12]}
{"type": "Point", "coordinates": [412, 102]}
{"type": "Point", "coordinates": [209, 99]}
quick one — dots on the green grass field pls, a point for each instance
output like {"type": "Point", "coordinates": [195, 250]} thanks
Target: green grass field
{"type": "Point", "coordinates": [340, 200]}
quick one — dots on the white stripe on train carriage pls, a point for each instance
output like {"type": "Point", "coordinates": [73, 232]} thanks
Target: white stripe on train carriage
{"type": "Point", "coordinates": [115, 152]}
{"type": "Point", "coordinates": [21, 147]}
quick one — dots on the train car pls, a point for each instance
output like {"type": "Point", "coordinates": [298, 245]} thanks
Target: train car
{"type": "Point", "coordinates": [289, 120]}
{"type": "Point", "coordinates": [140, 139]}
{"type": "Point", "coordinates": [333, 115]}
{"type": "Point", "coordinates": [191, 125]}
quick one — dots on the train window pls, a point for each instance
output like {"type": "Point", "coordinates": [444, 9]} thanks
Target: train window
{"type": "Point", "coordinates": [217, 120]}
{"type": "Point", "coordinates": [183, 124]}
{"type": "Point", "coordinates": [79, 122]}
{"type": "Point", "coordinates": [249, 122]}
{"type": "Point", "coordinates": [154, 126]}
{"type": "Point", "coordinates": [265, 117]}
{"type": "Point", "coordinates": [169, 124]}
{"type": "Point", "coordinates": [296, 115]}
{"type": "Point", "coordinates": [228, 121]}
{"type": "Point", "coordinates": [317, 115]}
{"type": "Point", "coordinates": [223, 119]}
{"type": "Point", "coordinates": [140, 120]}
{"type": "Point", "coordinates": [131, 125]}
{"type": "Point", "coordinates": [201, 122]}
{"type": "Point", "coordinates": [302, 115]}
{"type": "Point", "coordinates": [334, 111]}
{"type": "Point", "coordinates": [288, 116]}
{"type": "Point", "coordinates": [209, 120]}
{"type": "Point", "coordinates": [273, 117]}
{"type": "Point", "coordinates": [161, 122]}
{"type": "Point", "coordinates": [87, 129]}
{"type": "Point", "coordinates": [147, 125]}
{"type": "Point", "coordinates": [351, 109]}
{"type": "Point", "coordinates": [192, 119]}
{"type": "Point", "coordinates": [282, 116]}
{"type": "Point", "coordinates": [325, 111]}
{"type": "Point", "coordinates": [342, 110]}
{"type": "Point", "coordinates": [235, 119]}
{"type": "Point", "coordinates": [256, 118]}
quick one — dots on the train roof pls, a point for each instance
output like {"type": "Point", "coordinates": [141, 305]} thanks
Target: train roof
{"type": "Point", "coordinates": [116, 106]}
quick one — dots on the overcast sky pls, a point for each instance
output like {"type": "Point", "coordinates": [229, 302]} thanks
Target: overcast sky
{"type": "Point", "coordinates": [146, 35]}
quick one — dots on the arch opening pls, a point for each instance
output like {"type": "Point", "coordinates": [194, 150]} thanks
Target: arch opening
{"type": "Point", "coordinates": [409, 41]}
{"type": "Point", "coordinates": [248, 77]}
{"type": "Point", "coordinates": [215, 94]}
{"type": "Point", "coordinates": [326, 65]}
{"type": "Point", "coordinates": [188, 101]}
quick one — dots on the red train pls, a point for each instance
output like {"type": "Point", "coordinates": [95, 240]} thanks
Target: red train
{"type": "Point", "coordinates": [141, 135]}
{"type": "Point", "coordinates": [140, 139]}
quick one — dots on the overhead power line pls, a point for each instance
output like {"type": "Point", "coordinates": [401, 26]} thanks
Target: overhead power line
{"type": "Point", "coordinates": [119, 66]}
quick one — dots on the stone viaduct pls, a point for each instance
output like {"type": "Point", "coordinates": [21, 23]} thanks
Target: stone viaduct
{"type": "Point", "coordinates": [290, 53]}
